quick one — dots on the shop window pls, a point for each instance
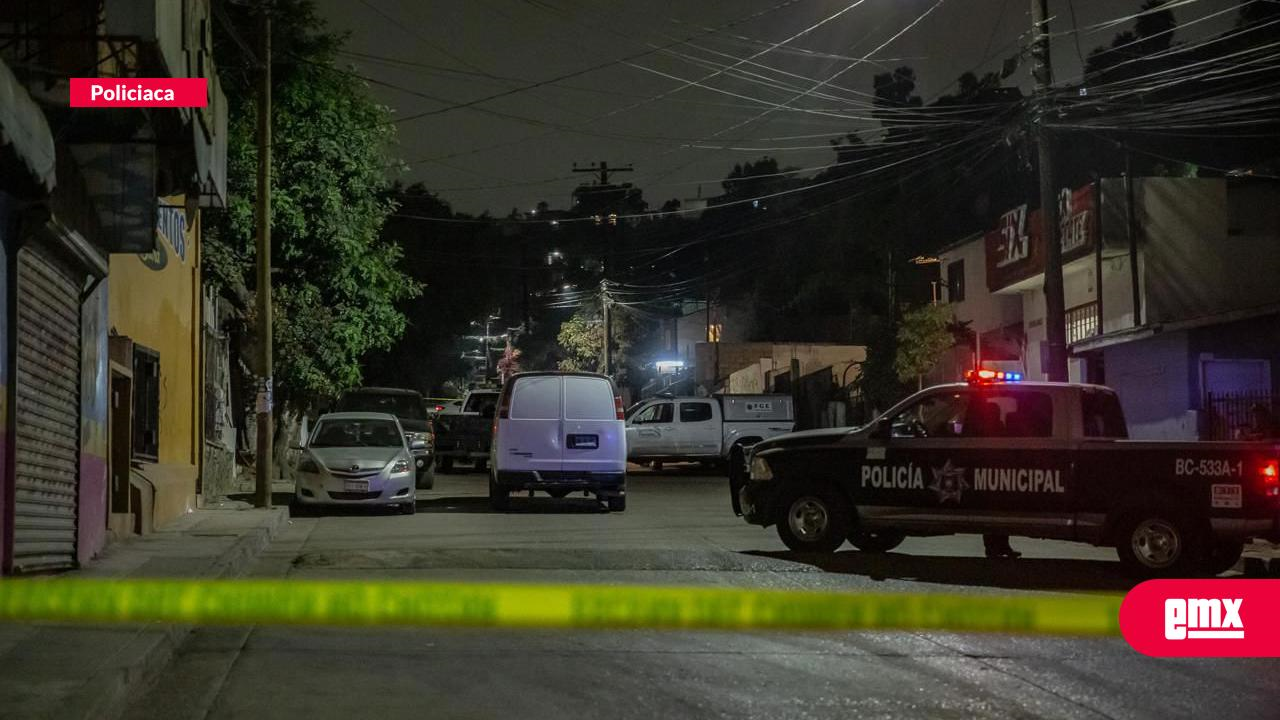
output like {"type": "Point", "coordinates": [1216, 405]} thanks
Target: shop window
{"type": "Point", "coordinates": [146, 403]}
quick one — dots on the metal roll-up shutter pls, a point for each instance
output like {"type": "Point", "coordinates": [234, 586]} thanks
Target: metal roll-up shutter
{"type": "Point", "coordinates": [47, 413]}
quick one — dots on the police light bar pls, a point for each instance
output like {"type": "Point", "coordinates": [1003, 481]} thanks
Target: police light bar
{"type": "Point", "coordinates": [987, 377]}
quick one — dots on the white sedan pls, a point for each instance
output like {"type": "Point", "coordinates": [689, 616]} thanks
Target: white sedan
{"type": "Point", "coordinates": [356, 459]}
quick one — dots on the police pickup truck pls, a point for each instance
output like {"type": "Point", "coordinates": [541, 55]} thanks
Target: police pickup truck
{"type": "Point", "coordinates": [1044, 460]}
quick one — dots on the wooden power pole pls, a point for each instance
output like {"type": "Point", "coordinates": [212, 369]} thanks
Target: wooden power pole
{"type": "Point", "coordinates": [602, 172]}
{"type": "Point", "coordinates": [262, 494]}
{"type": "Point", "coordinates": [1055, 316]}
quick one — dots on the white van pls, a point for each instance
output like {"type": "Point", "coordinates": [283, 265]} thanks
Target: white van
{"type": "Point", "coordinates": [559, 432]}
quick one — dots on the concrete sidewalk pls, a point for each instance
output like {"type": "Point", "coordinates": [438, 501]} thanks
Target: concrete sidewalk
{"type": "Point", "coordinates": [58, 671]}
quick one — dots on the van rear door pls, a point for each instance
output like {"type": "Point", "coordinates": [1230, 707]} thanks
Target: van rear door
{"type": "Point", "coordinates": [594, 439]}
{"type": "Point", "coordinates": [529, 438]}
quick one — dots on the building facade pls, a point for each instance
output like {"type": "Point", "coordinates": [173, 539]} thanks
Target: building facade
{"type": "Point", "coordinates": [1168, 292]}
{"type": "Point", "coordinates": [68, 208]}
{"type": "Point", "coordinates": [155, 318]}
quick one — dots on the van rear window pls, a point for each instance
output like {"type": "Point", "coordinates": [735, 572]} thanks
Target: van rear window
{"type": "Point", "coordinates": [588, 398]}
{"type": "Point", "coordinates": [536, 398]}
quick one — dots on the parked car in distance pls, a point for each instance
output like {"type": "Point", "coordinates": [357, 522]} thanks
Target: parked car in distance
{"type": "Point", "coordinates": [356, 459]}
{"type": "Point", "coordinates": [443, 406]}
{"type": "Point", "coordinates": [465, 436]}
{"type": "Point", "coordinates": [559, 432]}
{"type": "Point", "coordinates": [704, 429]}
{"type": "Point", "coordinates": [411, 410]}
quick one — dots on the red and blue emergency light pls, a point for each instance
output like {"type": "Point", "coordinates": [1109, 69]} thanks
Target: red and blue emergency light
{"type": "Point", "coordinates": [989, 377]}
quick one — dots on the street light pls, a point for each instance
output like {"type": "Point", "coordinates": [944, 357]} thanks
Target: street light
{"type": "Point", "coordinates": [486, 338]}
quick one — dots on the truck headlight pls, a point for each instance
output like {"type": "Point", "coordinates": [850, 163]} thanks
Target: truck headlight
{"type": "Point", "coordinates": [760, 469]}
{"type": "Point", "coordinates": [400, 466]}
{"type": "Point", "coordinates": [413, 437]}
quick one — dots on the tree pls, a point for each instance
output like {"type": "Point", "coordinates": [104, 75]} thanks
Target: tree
{"type": "Point", "coordinates": [582, 340]}
{"type": "Point", "coordinates": [336, 283]}
{"type": "Point", "coordinates": [923, 335]}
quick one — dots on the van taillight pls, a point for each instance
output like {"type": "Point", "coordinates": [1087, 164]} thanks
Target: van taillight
{"type": "Point", "coordinates": [504, 408]}
{"type": "Point", "coordinates": [1270, 472]}
{"type": "Point", "coordinates": [617, 405]}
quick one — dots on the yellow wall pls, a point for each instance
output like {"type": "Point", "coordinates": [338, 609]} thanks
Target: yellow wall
{"type": "Point", "coordinates": [155, 300]}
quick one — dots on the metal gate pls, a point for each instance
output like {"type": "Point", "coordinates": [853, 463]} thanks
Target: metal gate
{"type": "Point", "coordinates": [47, 451]}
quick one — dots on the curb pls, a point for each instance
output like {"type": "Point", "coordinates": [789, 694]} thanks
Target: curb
{"type": "Point", "coordinates": [107, 694]}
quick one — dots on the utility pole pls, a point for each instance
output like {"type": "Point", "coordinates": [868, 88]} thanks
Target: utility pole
{"type": "Point", "coordinates": [605, 302]}
{"type": "Point", "coordinates": [1054, 304]}
{"type": "Point", "coordinates": [602, 170]}
{"type": "Point", "coordinates": [262, 494]}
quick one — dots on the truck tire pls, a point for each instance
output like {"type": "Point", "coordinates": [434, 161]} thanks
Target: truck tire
{"type": "Point", "coordinates": [876, 542]}
{"type": "Point", "coordinates": [617, 503]}
{"type": "Point", "coordinates": [814, 518]}
{"type": "Point", "coordinates": [1223, 556]}
{"type": "Point", "coordinates": [1158, 542]}
{"type": "Point", "coordinates": [446, 464]}
{"type": "Point", "coordinates": [425, 479]}
{"type": "Point", "coordinates": [499, 498]}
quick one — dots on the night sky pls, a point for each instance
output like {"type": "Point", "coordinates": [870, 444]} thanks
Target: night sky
{"type": "Point", "coordinates": [513, 151]}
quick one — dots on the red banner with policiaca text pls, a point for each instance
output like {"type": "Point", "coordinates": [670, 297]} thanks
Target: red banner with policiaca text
{"type": "Point", "coordinates": [139, 92]}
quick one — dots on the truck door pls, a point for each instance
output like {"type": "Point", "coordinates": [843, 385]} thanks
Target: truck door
{"type": "Point", "coordinates": [652, 431]}
{"type": "Point", "coordinates": [979, 459]}
{"type": "Point", "coordinates": [697, 432]}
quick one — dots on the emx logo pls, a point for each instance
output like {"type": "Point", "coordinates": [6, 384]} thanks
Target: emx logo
{"type": "Point", "coordinates": [1203, 618]}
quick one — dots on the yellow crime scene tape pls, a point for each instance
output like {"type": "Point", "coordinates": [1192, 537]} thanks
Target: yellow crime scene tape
{"type": "Point", "coordinates": [365, 603]}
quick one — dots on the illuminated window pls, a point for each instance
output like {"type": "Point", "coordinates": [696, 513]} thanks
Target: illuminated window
{"type": "Point", "coordinates": [713, 333]}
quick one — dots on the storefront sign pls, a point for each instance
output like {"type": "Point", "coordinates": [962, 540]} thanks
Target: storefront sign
{"type": "Point", "coordinates": [1016, 250]}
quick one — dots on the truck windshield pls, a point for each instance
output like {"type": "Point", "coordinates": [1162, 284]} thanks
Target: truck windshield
{"type": "Point", "coordinates": [402, 405]}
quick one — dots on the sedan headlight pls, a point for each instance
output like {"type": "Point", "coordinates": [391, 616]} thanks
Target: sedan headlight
{"type": "Point", "coordinates": [309, 466]}
{"type": "Point", "coordinates": [760, 469]}
{"type": "Point", "coordinates": [400, 466]}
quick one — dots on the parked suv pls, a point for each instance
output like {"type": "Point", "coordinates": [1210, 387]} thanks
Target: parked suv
{"type": "Point", "coordinates": [558, 433]}
{"type": "Point", "coordinates": [411, 411]}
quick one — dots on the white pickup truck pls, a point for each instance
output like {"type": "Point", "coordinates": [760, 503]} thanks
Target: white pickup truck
{"type": "Point", "coordinates": [704, 429]}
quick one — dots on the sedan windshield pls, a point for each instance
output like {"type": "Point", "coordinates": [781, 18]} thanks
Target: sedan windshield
{"type": "Point", "coordinates": [356, 433]}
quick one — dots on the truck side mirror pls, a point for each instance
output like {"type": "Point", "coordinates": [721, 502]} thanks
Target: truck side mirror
{"type": "Point", "coordinates": [884, 429]}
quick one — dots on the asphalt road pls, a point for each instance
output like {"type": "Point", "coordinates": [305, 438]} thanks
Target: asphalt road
{"type": "Point", "coordinates": [678, 529]}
